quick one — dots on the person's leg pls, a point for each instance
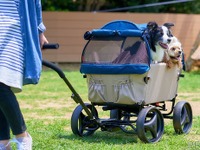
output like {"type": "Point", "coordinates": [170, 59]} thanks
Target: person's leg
{"type": "Point", "coordinates": [11, 110]}
{"type": "Point", "coordinates": [4, 132]}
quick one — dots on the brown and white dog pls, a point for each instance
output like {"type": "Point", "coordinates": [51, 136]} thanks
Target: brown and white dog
{"type": "Point", "coordinates": [174, 53]}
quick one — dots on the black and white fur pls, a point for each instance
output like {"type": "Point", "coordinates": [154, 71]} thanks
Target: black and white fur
{"type": "Point", "coordinates": [159, 37]}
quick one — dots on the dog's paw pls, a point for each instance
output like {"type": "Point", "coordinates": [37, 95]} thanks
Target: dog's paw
{"type": "Point", "coordinates": [169, 64]}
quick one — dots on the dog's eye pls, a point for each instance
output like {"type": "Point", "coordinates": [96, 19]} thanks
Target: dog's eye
{"type": "Point", "coordinates": [161, 33]}
{"type": "Point", "coordinates": [173, 49]}
{"type": "Point", "coordinates": [169, 34]}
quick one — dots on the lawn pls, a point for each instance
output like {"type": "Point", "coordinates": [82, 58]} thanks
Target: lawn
{"type": "Point", "coordinates": [47, 108]}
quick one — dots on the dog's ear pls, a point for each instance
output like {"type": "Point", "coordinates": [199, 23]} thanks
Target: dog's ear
{"type": "Point", "coordinates": [168, 25]}
{"type": "Point", "coordinates": [152, 25]}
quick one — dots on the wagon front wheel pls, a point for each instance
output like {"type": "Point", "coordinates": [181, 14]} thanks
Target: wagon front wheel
{"type": "Point", "coordinates": [81, 124]}
{"type": "Point", "coordinates": [150, 125]}
{"type": "Point", "coordinates": [182, 117]}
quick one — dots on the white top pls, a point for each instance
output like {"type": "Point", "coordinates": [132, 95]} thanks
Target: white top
{"type": "Point", "coordinates": [11, 45]}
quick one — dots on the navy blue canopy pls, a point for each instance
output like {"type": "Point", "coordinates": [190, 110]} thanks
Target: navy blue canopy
{"type": "Point", "coordinates": [124, 25]}
{"type": "Point", "coordinates": [111, 30]}
{"type": "Point", "coordinates": [114, 68]}
{"type": "Point", "coordinates": [120, 28]}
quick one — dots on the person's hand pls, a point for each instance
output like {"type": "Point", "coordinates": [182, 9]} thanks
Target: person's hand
{"type": "Point", "coordinates": [43, 40]}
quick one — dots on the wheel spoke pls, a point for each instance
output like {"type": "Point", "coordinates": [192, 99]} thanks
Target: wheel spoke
{"type": "Point", "coordinates": [151, 125]}
{"type": "Point", "coordinates": [81, 122]}
{"type": "Point", "coordinates": [185, 117]}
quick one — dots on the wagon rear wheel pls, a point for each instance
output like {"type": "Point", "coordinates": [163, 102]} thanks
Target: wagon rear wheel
{"type": "Point", "coordinates": [150, 125]}
{"type": "Point", "coordinates": [81, 124]}
{"type": "Point", "coordinates": [182, 117]}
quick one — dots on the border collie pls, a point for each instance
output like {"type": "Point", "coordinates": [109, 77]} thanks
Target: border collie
{"type": "Point", "coordinates": [158, 37]}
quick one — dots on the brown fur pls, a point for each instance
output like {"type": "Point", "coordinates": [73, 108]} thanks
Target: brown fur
{"type": "Point", "coordinates": [173, 56]}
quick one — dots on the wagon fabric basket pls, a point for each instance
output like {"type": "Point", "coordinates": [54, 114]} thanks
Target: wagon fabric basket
{"type": "Point", "coordinates": [117, 62]}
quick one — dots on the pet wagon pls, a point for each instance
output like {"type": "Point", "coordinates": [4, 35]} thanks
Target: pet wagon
{"type": "Point", "coordinates": [122, 79]}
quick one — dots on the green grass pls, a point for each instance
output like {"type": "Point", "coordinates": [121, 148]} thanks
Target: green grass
{"type": "Point", "coordinates": [190, 83]}
{"type": "Point", "coordinates": [47, 108]}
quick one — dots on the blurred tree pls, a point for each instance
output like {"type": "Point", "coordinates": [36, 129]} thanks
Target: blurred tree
{"type": "Point", "coordinates": [96, 5]}
{"type": "Point", "coordinates": [192, 7]}
{"type": "Point", "coordinates": [90, 5]}
{"type": "Point", "coordinates": [59, 5]}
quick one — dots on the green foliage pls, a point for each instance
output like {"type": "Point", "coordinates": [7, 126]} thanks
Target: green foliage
{"type": "Point", "coordinates": [190, 83]}
{"type": "Point", "coordinates": [186, 8]}
{"type": "Point", "coordinates": [59, 5]}
{"type": "Point", "coordinates": [192, 7]}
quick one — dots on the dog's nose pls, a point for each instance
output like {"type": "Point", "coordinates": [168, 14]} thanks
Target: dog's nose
{"type": "Point", "coordinates": [179, 52]}
{"type": "Point", "coordinates": [169, 40]}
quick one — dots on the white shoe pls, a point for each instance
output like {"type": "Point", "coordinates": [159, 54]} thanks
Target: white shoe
{"type": "Point", "coordinates": [2, 146]}
{"type": "Point", "coordinates": [5, 147]}
{"type": "Point", "coordinates": [24, 143]}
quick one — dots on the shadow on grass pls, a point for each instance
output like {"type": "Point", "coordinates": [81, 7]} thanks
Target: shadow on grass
{"type": "Point", "coordinates": [118, 137]}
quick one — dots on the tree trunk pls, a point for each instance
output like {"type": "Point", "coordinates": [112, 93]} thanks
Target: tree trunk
{"type": "Point", "coordinates": [190, 61]}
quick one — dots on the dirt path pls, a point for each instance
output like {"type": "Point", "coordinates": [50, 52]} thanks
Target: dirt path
{"type": "Point", "coordinates": [195, 108]}
{"type": "Point", "coordinates": [193, 99]}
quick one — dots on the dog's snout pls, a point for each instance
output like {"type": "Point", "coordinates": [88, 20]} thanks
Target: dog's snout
{"type": "Point", "coordinates": [179, 52]}
{"type": "Point", "coordinates": [169, 40]}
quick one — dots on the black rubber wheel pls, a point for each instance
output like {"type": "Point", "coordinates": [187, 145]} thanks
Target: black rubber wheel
{"type": "Point", "coordinates": [182, 117]}
{"type": "Point", "coordinates": [81, 124]}
{"type": "Point", "coordinates": [150, 125]}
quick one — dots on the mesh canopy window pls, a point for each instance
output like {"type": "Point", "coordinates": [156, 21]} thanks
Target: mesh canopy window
{"type": "Point", "coordinates": [102, 50]}
{"type": "Point", "coordinates": [115, 50]}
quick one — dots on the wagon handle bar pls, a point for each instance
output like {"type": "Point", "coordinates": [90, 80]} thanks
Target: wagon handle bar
{"type": "Point", "coordinates": [75, 95]}
{"type": "Point", "coordinates": [51, 46]}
